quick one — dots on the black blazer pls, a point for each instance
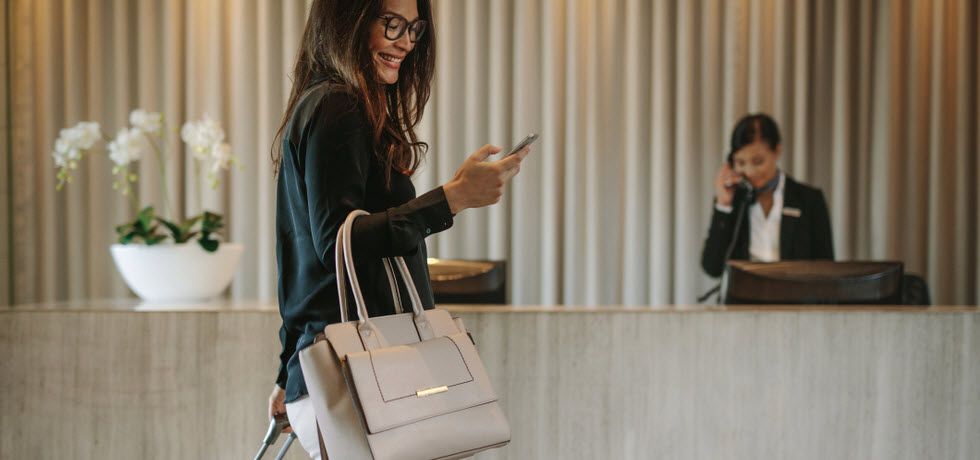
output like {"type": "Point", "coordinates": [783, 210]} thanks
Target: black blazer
{"type": "Point", "coordinates": [807, 236]}
{"type": "Point", "coordinates": [329, 168]}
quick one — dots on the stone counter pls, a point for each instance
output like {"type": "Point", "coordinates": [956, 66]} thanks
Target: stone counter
{"type": "Point", "coordinates": [119, 380]}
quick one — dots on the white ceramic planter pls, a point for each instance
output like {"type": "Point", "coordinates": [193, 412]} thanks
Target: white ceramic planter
{"type": "Point", "coordinates": [176, 272]}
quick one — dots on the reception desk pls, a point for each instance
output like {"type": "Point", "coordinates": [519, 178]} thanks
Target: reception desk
{"type": "Point", "coordinates": [115, 380]}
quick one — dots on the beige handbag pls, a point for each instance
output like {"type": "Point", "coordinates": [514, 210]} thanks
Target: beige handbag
{"type": "Point", "coordinates": [404, 386]}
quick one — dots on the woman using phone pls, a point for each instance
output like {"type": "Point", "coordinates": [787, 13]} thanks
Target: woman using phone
{"type": "Point", "coordinates": [348, 141]}
{"type": "Point", "coordinates": [783, 219]}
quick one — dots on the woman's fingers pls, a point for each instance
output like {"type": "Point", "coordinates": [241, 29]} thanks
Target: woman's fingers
{"type": "Point", "coordinates": [478, 182]}
{"type": "Point", "coordinates": [512, 164]}
{"type": "Point", "coordinates": [728, 177]}
{"type": "Point", "coordinates": [514, 161]}
{"type": "Point", "coordinates": [731, 180]}
{"type": "Point", "coordinates": [725, 183]}
{"type": "Point", "coordinates": [277, 401]}
{"type": "Point", "coordinates": [509, 173]}
{"type": "Point", "coordinates": [485, 152]}
{"type": "Point", "coordinates": [523, 152]}
{"type": "Point", "coordinates": [734, 179]}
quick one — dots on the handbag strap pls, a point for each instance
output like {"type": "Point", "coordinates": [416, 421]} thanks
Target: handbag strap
{"type": "Point", "coordinates": [344, 265]}
{"type": "Point", "coordinates": [396, 296]}
{"type": "Point", "coordinates": [341, 280]}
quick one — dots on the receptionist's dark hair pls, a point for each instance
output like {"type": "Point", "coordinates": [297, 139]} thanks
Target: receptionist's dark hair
{"type": "Point", "coordinates": [754, 127]}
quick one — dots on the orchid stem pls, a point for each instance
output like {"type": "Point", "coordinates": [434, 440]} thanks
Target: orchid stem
{"type": "Point", "coordinates": [129, 191]}
{"type": "Point", "coordinates": [163, 176]}
{"type": "Point", "coordinates": [200, 189]}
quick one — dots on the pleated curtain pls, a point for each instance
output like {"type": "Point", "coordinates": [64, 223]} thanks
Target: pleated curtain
{"type": "Point", "coordinates": [634, 101]}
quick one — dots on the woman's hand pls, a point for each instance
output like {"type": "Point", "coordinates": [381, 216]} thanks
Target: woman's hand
{"type": "Point", "coordinates": [725, 184]}
{"type": "Point", "coordinates": [481, 183]}
{"type": "Point", "coordinates": [277, 405]}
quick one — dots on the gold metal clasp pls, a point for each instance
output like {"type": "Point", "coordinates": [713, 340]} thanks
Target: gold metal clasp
{"type": "Point", "coordinates": [431, 391]}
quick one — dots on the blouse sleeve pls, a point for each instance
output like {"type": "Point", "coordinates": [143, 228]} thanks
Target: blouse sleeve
{"type": "Point", "coordinates": [336, 163]}
{"type": "Point", "coordinates": [715, 246]}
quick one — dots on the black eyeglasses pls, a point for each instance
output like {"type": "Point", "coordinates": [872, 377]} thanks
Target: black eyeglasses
{"type": "Point", "coordinates": [395, 27]}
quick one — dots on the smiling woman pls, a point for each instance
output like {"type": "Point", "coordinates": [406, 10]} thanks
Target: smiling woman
{"type": "Point", "coordinates": [391, 44]}
{"type": "Point", "coordinates": [348, 143]}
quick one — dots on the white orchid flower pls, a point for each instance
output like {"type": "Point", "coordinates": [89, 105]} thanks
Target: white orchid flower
{"type": "Point", "coordinates": [64, 152]}
{"type": "Point", "coordinates": [67, 159]}
{"type": "Point", "coordinates": [72, 141]}
{"type": "Point", "coordinates": [128, 146]}
{"type": "Point", "coordinates": [221, 158]}
{"type": "Point", "coordinates": [201, 136]}
{"type": "Point", "coordinates": [86, 134]}
{"type": "Point", "coordinates": [148, 122]}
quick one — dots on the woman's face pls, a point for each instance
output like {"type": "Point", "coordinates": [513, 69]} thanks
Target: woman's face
{"type": "Point", "coordinates": [388, 54]}
{"type": "Point", "coordinates": [757, 162]}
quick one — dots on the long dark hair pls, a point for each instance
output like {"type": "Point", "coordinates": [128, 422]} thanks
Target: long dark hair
{"type": "Point", "coordinates": [754, 127]}
{"type": "Point", "coordinates": [334, 46]}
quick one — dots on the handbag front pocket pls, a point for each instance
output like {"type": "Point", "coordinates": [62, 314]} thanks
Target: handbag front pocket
{"type": "Point", "coordinates": [403, 384]}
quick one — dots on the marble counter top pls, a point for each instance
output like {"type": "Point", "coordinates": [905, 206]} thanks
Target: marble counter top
{"type": "Point", "coordinates": [255, 306]}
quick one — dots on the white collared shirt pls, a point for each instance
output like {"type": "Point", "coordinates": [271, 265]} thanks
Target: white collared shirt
{"type": "Point", "coordinates": [764, 230]}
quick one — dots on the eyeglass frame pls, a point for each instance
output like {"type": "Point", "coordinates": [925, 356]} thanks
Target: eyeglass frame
{"type": "Point", "coordinates": [408, 25]}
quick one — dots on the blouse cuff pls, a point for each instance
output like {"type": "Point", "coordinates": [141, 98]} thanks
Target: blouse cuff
{"type": "Point", "coordinates": [435, 212]}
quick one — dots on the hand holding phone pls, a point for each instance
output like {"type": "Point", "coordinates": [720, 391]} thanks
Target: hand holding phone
{"type": "Point", "coordinates": [479, 182]}
{"type": "Point", "coordinates": [527, 141]}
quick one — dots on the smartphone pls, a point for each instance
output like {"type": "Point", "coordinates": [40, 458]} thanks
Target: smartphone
{"type": "Point", "coordinates": [527, 141]}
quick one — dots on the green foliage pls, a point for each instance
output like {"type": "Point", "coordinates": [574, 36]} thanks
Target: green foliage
{"type": "Point", "coordinates": [181, 232]}
{"type": "Point", "coordinates": [143, 228]}
{"type": "Point", "coordinates": [211, 223]}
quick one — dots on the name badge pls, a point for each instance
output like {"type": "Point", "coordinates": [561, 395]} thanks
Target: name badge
{"type": "Point", "coordinates": [792, 212]}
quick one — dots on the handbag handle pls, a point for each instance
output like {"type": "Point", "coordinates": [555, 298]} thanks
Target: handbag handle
{"type": "Point", "coordinates": [344, 258]}
{"type": "Point", "coordinates": [396, 297]}
{"type": "Point", "coordinates": [341, 286]}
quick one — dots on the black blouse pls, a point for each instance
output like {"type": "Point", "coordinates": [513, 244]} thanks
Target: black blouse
{"type": "Point", "coordinates": [329, 169]}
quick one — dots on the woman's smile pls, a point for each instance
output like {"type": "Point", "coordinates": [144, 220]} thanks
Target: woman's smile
{"type": "Point", "coordinates": [390, 60]}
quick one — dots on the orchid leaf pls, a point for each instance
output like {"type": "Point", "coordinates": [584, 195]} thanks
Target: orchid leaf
{"type": "Point", "coordinates": [211, 222]}
{"type": "Point", "coordinates": [142, 228]}
{"type": "Point", "coordinates": [184, 227]}
{"type": "Point", "coordinates": [208, 244]}
{"type": "Point", "coordinates": [127, 238]}
{"type": "Point", "coordinates": [181, 233]}
{"type": "Point", "coordinates": [145, 217]}
{"type": "Point", "coordinates": [174, 229]}
{"type": "Point", "coordinates": [155, 239]}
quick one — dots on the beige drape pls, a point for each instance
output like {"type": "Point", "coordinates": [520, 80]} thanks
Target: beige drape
{"type": "Point", "coordinates": [634, 101]}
